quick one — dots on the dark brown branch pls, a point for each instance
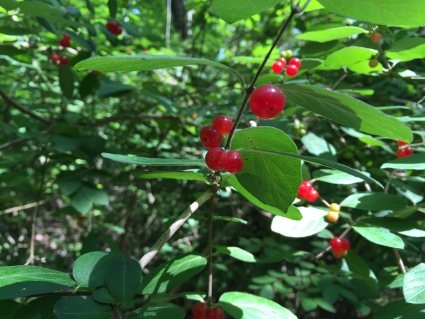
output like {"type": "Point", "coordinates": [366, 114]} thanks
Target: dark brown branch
{"type": "Point", "coordinates": [23, 109]}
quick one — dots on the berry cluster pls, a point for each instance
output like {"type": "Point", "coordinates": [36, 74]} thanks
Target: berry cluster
{"type": "Point", "coordinates": [333, 213]}
{"type": "Point", "coordinates": [217, 158]}
{"type": "Point", "coordinates": [292, 68]}
{"type": "Point", "coordinates": [339, 246]}
{"type": "Point", "coordinates": [299, 130]}
{"type": "Point", "coordinates": [65, 41]}
{"type": "Point", "coordinates": [114, 27]}
{"type": "Point", "coordinates": [306, 190]}
{"type": "Point", "coordinates": [267, 101]}
{"type": "Point", "coordinates": [403, 152]}
{"type": "Point", "coordinates": [56, 59]}
{"type": "Point", "coordinates": [202, 311]}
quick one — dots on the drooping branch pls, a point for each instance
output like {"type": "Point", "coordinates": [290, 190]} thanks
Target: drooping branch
{"type": "Point", "coordinates": [19, 107]}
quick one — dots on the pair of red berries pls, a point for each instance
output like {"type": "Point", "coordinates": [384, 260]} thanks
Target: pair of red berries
{"type": "Point", "coordinates": [306, 190]}
{"type": "Point", "coordinates": [65, 41]}
{"type": "Point", "coordinates": [292, 68]}
{"type": "Point", "coordinates": [267, 101]}
{"type": "Point", "coordinates": [114, 27]}
{"type": "Point", "coordinates": [202, 311]}
{"type": "Point", "coordinates": [56, 59]}
{"type": "Point", "coordinates": [339, 246]}
{"type": "Point", "coordinates": [217, 158]}
{"type": "Point", "coordinates": [403, 152]}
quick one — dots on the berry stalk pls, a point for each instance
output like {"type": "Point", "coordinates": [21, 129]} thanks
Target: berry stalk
{"type": "Point", "coordinates": [250, 89]}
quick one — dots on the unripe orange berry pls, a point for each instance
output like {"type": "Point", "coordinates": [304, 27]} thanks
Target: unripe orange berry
{"type": "Point", "coordinates": [332, 216]}
{"type": "Point", "coordinates": [376, 37]}
{"type": "Point", "coordinates": [335, 207]}
{"type": "Point", "coordinates": [373, 63]}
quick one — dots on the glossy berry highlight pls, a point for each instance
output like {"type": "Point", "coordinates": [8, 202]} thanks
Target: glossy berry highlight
{"type": "Point", "coordinates": [234, 162]}
{"type": "Point", "coordinates": [278, 67]}
{"type": "Point", "coordinates": [291, 70]}
{"type": "Point", "coordinates": [408, 151]}
{"type": "Point", "coordinates": [267, 101]}
{"type": "Point", "coordinates": [312, 196]}
{"type": "Point", "coordinates": [296, 62]}
{"type": "Point", "coordinates": [223, 124]}
{"type": "Point", "coordinates": [216, 158]}
{"type": "Point", "coordinates": [200, 310]}
{"type": "Point", "coordinates": [335, 243]}
{"type": "Point", "coordinates": [282, 60]}
{"type": "Point", "coordinates": [305, 188]}
{"type": "Point", "coordinates": [215, 313]}
{"type": "Point", "coordinates": [210, 136]}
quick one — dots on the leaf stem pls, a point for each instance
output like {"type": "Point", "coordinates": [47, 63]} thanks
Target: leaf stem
{"type": "Point", "coordinates": [250, 88]}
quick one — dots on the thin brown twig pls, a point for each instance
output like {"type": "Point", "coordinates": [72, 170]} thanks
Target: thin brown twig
{"type": "Point", "coordinates": [23, 109]}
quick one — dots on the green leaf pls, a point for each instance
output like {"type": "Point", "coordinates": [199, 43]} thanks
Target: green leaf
{"type": "Point", "coordinates": [407, 191]}
{"type": "Point", "coordinates": [123, 278]}
{"type": "Point", "coordinates": [399, 225]}
{"type": "Point", "coordinates": [363, 277]}
{"type": "Point", "coordinates": [113, 89]}
{"type": "Point", "coordinates": [172, 273]}
{"type": "Point", "coordinates": [22, 281]}
{"type": "Point", "coordinates": [147, 63]}
{"type": "Point", "coordinates": [44, 305]}
{"type": "Point", "coordinates": [363, 67]}
{"type": "Point", "coordinates": [374, 201]}
{"type": "Point", "coordinates": [336, 177]}
{"type": "Point", "coordinates": [81, 202]}
{"type": "Point", "coordinates": [313, 222]}
{"type": "Point", "coordinates": [414, 285]}
{"type": "Point", "coordinates": [235, 10]}
{"type": "Point", "coordinates": [391, 12]}
{"type": "Point", "coordinates": [330, 34]}
{"type": "Point", "coordinates": [400, 310]}
{"type": "Point", "coordinates": [15, 31]}
{"type": "Point", "coordinates": [415, 162]}
{"type": "Point", "coordinates": [349, 56]}
{"type": "Point", "coordinates": [323, 162]}
{"type": "Point", "coordinates": [164, 311]}
{"type": "Point", "coordinates": [81, 307]}
{"type": "Point", "coordinates": [347, 111]}
{"type": "Point", "coordinates": [407, 49]}
{"type": "Point", "coordinates": [66, 80]}
{"type": "Point", "coordinates": [241, 305]}
{"type": "Point", "coordinates": [291, 213]}
{"type": "Point", "coordinates": [37, 9]}
{"type": "Point", "coordinates": [97, 196]}
{"type": "Point", "coordinates": [112, 5]}
{"type": "Point", "coordinates": [13, 310]}
{"type": "Point", "coordinates": [236, 253]}
{"type": "Point", "coordinates": [318, 146]}
{"type": "Point", "coordinates": [154, 161]}
{"type": "Point", "coordinates": [230, 219]}
{"type": "Point", "coordinates": [380, 236]}
{"type": "Point", "coordinates": [272, 179]}
{"type": "Point", "coordinates": [69, 185]}
{"type": "Point", "coordinates": [183, 175]}
{"type": "Point", "coordinates": [103, 295]}
{"type": "Point", "coordinates": [89, 269]}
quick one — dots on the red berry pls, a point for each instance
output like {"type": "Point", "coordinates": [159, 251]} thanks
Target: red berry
{"type": "Point", "coordinates": [216, 158]}
{"type": "Point", "coordinates": [234, 163]}
{"type": "Point", "coordinates": [296, 62]}
{"type": "Point", "coordinates": [63, 60]}
{"type": "Point", "coordinates": [282, 60]}
{"type": "Point", "coordinates": [98, 73]}
{"type": "Point", "coordinates": [64, 43]}
{"type": "Point", "coordinates": [408, 151]}
{"type": "Point", "coordinates": [345, 244]}
{"type": "Point", "coordinates": [117, 31]}
{"type": "Point", "coordinates": [291, 70]}
{"type": "Point", "coordinates": [339, 253]}
{"type": "Point", "coordinates": [401, 152]}
{"type": "Point", "coordinates": [223, 124]}
{"type": "Point", "coordinates": [111, 25]}
{"type": "Point", "coordinates": [312, 196]}
{"type": "Point", "coordinates": [215, 313]}
{"type": "Point", "coordinates": [267, 101]}
{"type": "Point", "coordinates": [278, 67]}
{"type": "Point", "coordinates": [66, 37]}
{"type": "Point", "coordinates": [210, 136]}
{"type": "Point", "coordinates": [305, 188]}
{"type": "Point", "coordinates": [401, 143]}
{"type": "Point", "coordinates": [200, 310]}
{"type": "Point", "coordinates": [55, 58]}
{"type": "Point", "coordinates": [335, 243]}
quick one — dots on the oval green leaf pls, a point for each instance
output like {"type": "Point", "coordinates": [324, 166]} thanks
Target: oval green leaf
{"type": "Point", "coordinates": [347, 111]}
{"type": "Point", "coordinates": [237, 253]}
{"type": "Point", "coordinates": [407, 49]}
{"type": "Point", "coordinates": [415, 162]}
{"type": "Point", "coordinates": [81, 307]}
{"type": "Point", "coordinates": [235, 10]}
{"type": "Point", "coordinates": [380, 236]}
{"type": "Point", "coordinates": [349, 56]}
{"type": "Point", "coordinates": [374, 201]}
{"type": "Point", "coordinates": [414, 285]}
{"type": "Point", "coordinates": [330, 34]}
{"type": "Point", "coordinates": [154, 161]}
{"type": "Point", "coordinates": [313, 222]}
{"type": "Point", "coordinates": [164, 311]}
{"type": "Point", "coordinates": [336, 177]}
